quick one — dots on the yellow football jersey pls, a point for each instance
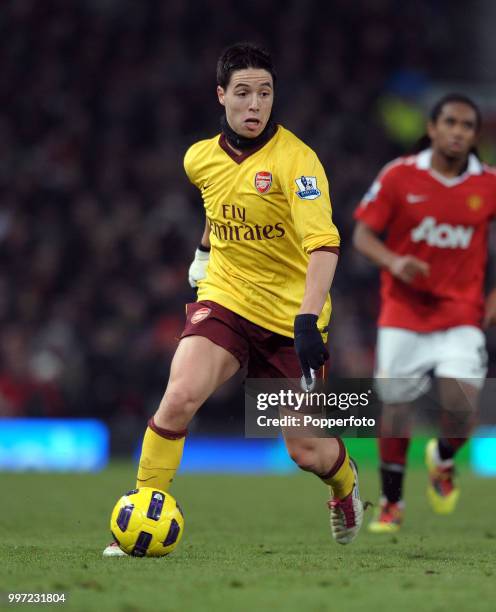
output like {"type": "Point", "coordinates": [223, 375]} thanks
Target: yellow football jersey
{"type": "Point", "coordinates": [267, 211]}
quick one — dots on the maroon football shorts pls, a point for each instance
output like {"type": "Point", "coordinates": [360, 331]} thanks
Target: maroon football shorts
{"type": "Point", "coordinates": [263, 353]}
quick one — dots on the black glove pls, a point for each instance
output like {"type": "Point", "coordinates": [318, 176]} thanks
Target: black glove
{"type": "Point", "coordinates": [309, 346]}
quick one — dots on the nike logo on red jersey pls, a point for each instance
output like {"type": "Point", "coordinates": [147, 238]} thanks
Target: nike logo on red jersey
{"type": "Point", "coordinates": [413, 198]}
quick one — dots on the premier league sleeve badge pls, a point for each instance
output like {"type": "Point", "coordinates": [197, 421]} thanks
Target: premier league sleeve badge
{"type": "Point", "coordinates": [307, 186]}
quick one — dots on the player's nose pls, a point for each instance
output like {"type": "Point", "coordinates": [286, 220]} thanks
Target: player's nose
{"type": "Point", "coordinates": [254, 102]}
{"type": "Point", "coordinates": [458, 129]}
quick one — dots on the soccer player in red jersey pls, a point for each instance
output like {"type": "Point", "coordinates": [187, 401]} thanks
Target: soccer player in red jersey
{"type": "Point", "coordinates": [434, 208]}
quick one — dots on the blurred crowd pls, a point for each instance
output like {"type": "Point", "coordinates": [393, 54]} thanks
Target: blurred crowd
{"type": "Point", "coordinates": [99, 101]}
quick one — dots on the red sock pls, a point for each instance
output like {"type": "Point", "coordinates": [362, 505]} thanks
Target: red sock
{"type": "Point", "coordinates": [392, 452]}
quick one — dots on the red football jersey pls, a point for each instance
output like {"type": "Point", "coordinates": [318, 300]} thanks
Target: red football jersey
{"type": "Point", "coordinates": [442, 221]}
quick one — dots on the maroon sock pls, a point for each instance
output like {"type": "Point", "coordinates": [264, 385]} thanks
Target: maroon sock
{"type": "Point", "coordinates": [166, 433]}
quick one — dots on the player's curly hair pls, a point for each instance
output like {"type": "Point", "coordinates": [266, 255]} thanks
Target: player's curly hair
{"type": "Point", "coordinates": [239, 57]}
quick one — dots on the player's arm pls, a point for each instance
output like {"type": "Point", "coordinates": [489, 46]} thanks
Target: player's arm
{"type": "Point", "coordinates": [309, 345]}
{"type": "Point", "coordinates": [404, 267]}
{"type": "Point", "coordinates": [320, 273]}
{"type": "Point", "coordinates": [489, 318]}
{"type": "Point", "coordinates": [306, 188]}
{"type": "Point", "coordinates": [373, 216]}
{"type": "Point", "coordinates": [490, 309]}
{"type": "Point", "coordinates": [198, 268]}
{"type": "Point", "coordinates": [205, 239]}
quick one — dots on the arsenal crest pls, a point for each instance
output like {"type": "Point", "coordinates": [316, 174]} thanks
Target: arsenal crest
{"type": "Point", "coordinates": [200, 314]}
{"type": "Point", "coordinates": [263, 181]}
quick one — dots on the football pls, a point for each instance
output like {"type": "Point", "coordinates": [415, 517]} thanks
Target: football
{"type": "Point", "coordinates": [147, 522]}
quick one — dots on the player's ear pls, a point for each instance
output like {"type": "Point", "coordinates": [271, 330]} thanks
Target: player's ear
{"type": "Point", "coordinates": [221, 94]}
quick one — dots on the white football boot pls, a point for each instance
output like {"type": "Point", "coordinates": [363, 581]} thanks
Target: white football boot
{"type": "Point", "coordinates": [113, 550]}
{"type": "Point", "coordinates": [347, 513]}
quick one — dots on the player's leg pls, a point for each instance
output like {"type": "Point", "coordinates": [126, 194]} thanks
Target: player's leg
{"type": "Point", "coordinates": [458, 401]}
{"type": "Point", "coordinates": [198, 368]}
{"type": "Point", "coordinates": [328, 459]}
{"type": "Point", "coordinates": [402, 362]}
{"type": "Point", "coordinates": [395, 421]}
{"type": "Point", "coordinates": [273, 356]}
{"type": "Point", "coordinates": [209, 353]}
{"type": "Point", "coordinates": [461, 370]}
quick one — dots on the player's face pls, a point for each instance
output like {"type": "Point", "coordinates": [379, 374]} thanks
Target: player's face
{"type": "Point", "coordinates": [248, 100]}
{"type": "Point", "coordinates": [455, 131]}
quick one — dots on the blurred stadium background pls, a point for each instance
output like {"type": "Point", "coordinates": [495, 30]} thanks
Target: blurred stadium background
{"type": "Point", "coordinates": [99, 101]}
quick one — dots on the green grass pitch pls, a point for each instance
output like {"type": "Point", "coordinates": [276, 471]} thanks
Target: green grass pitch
{"type": "Point", "coordinates": [250, 543]}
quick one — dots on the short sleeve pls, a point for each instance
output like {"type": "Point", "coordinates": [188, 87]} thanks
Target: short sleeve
{"type": "Point", "coordinates": [189, 165]}
{"type": "Point", "coordinates": [305, 186]}
{"type": "Point", "coordinates": [377, 205]}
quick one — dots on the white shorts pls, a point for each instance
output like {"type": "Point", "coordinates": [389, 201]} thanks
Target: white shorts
{"type": "Point", "coordinates": [406, 357]}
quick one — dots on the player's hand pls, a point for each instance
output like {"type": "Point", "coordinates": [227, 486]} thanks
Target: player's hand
{"type": "Point", "coordinates": [490, 310]}
{"type": "Point", "coordinates": [309, 346]}
{"type": "Point", "coordinates": [407, 267]}
{"type": "Point", "coordinates": [198, 269]}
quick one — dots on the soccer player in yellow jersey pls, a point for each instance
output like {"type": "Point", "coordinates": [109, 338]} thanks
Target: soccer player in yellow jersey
{"type": "Point", "coordinates": [263, 270]}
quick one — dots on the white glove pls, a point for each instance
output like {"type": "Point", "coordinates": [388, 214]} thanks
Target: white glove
{"type": "Point", "coordinates": [198, 269]}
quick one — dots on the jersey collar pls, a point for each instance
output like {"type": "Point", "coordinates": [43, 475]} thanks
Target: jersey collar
{"type": "Point", "coordinates": [245, 154]}
{"type": "Point", "coordinates": [474, 166]}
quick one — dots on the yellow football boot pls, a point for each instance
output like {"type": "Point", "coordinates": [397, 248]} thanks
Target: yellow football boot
{"type": "Point", "coordinates": [441, 492]}
{"type": "Point", "coordinates": [389, 517]}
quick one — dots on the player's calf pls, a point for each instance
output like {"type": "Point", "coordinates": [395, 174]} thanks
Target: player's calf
{"type": "Point", "coordinates": [314, 454]}
{"type": "Point", "coordinates": [178, 407]}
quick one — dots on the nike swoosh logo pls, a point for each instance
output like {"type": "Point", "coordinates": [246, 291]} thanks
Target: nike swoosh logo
{"type": "Point", "coordinates": [205, 187]}
{"type": "Point", "coordinates": [413, 198]}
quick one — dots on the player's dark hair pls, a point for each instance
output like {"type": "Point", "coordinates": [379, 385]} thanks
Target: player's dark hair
{"type": "Point", "coordinates": [456, 98]}
{"type": "Point", "coordinates": [239, 57]}
{"type": "Point", "coordinates": [453, 98]}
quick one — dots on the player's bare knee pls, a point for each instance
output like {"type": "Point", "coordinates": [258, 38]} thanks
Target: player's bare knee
{"type": "Point", "coordinates": [303, 456]}
{"type": "Point", "coordinates": [179, 402]}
